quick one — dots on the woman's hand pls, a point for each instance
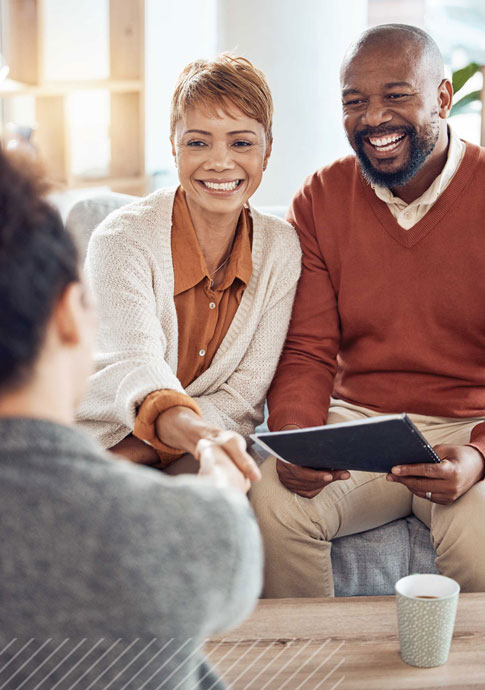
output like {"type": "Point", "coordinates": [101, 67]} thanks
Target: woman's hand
{"type": "Point", "coordinates": [460, 468]}
{"type": "Point", "coordinates": [230, 445]}
{"type": "Point", "coordinates": [218, 468]}
{"type": "Point", "coordinates": [181, 428]}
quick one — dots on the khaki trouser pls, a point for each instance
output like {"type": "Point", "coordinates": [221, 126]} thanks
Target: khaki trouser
{"type": "Point", "coordinates": [297, 532]}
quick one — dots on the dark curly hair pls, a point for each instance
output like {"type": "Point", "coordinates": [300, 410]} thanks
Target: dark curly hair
{"type": "Point", "coordinates": [38, 259]}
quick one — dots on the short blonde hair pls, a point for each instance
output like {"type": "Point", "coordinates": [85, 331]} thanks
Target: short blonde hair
{"type": "Point", "coordinates": [219, 83]}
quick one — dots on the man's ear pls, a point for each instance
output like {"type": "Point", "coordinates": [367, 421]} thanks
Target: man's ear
{"type": "Point", "coordinates": [445, 96]}
{"type": "Point", "coordinates": [67, 314]}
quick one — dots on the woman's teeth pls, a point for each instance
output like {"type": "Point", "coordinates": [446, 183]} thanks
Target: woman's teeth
{"type": "Point", "coordinates": [222, 186]}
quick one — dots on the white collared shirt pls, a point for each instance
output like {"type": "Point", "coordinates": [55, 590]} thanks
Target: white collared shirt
{"type": "Point", "coordinates": [408, 215]}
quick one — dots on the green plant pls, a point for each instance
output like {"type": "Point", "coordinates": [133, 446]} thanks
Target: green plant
{"type": "Point", "coordinates": [459, 79]}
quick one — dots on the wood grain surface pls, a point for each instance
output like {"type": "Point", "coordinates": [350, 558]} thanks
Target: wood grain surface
{"type": "Point", "coordinates": [347, 643]}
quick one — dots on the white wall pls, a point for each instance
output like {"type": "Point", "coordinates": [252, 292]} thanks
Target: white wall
{"type": "Point", "coordinates": [77, 31]}
{"type": "Point", "coordinates": [176, 33]}
{"type": "Point", "coordinates": [299, 46]}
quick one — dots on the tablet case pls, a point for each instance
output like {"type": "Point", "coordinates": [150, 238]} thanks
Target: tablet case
{"type": "Point", "coordinates": [375, 444]}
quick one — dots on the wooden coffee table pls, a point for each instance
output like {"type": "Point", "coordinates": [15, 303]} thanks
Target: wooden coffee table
{"type": "Point", "coordinates": [347, 643]}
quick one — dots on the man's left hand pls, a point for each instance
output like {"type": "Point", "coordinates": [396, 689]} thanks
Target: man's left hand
{"type": "Point", "coordinates": [460, 468]}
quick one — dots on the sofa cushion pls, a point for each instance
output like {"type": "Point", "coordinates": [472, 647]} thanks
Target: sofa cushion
{"type": "Point", "coordinates": [370, 563]}
{"type": "Point", "coordinates": [87, 214]}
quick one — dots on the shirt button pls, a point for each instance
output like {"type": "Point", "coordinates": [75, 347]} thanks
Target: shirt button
{"type": "Point", "coordinates": [212, 305]}
{"type": "Point", "coordinates": [201, 353]}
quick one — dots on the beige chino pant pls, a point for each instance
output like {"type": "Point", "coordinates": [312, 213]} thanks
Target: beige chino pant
{"type": "Point", "coordinates": [297, 531]}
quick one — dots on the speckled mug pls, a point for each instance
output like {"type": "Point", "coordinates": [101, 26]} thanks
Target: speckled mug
{"type": "Point", "coordinates": [426, 609]}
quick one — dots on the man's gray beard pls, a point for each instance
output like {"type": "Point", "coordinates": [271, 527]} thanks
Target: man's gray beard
{"type": "Point", "coordinates": [420, 147]}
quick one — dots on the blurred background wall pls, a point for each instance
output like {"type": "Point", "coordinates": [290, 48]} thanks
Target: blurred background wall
{"type": "Point", "coordinates": [299, 45]}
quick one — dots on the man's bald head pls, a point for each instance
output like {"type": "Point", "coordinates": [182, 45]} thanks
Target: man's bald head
{"type": "Point", "coordinates": [403, 37]}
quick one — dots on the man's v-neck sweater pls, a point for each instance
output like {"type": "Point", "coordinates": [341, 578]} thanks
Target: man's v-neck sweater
{"type": "Point", "coordinates": [386, 318]}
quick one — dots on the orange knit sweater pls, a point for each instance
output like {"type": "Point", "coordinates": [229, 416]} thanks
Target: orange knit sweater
{"type": "Point", "coordinates": [386, 318]}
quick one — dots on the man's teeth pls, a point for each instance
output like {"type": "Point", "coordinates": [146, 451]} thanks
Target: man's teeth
{"type": "Point", "coordinates": [222, 186]}
{"type": "Point", "coordinates": [386, 143]}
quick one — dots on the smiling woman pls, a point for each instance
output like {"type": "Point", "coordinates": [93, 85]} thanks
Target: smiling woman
{"type": "Point", "coordinates": [194, 288]}
{"type": "Point", "coordinates": [220, 160]}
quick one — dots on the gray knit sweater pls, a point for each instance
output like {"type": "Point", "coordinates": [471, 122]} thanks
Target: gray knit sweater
{"type": "Point", "coordinates": [129, 269]}
{"type": "Point", "coordinates": [105, 550]}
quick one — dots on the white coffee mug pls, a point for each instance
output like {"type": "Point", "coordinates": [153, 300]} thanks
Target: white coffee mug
{"type": "Point", "coordinates": [426, 609]}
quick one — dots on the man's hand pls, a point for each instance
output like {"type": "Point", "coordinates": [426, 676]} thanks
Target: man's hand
{"type": "Point", "coordinates": [305, 481]}
{"type": "Point", "coordinates": [460, 468]}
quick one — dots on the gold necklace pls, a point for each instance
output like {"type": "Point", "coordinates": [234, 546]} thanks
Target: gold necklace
{"type": "Point", "coordinates": [224, 262]}
{"type": "Point", "coordinates": [219, 268]}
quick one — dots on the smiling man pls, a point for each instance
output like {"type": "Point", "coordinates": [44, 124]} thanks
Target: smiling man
{"type": "Point", "coordinates": [388, 318]}
{"type": "Point", "coordinates": [404, 148]}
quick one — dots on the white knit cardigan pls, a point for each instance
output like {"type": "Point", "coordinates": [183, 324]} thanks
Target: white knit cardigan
{"type": "Point", "coordinates": [130, 272]}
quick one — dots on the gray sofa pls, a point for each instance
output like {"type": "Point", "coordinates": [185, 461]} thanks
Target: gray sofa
{"type": "Point", "coordinates": [363, 564]}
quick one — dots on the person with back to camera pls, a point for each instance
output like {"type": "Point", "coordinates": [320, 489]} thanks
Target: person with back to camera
{"type": "Point", "coordinates": [100, 559]}
{"type": "Point", "coordinates": [194, 286]}
{"type": "Point", "coordinates": [388, 318]}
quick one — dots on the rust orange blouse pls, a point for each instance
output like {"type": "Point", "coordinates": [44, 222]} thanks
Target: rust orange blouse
{"type": "Point", "coordinates": [204, 314]}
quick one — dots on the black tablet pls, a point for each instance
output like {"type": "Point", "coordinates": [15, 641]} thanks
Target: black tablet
{"type": "Point", "coordinates": [375, 444]}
